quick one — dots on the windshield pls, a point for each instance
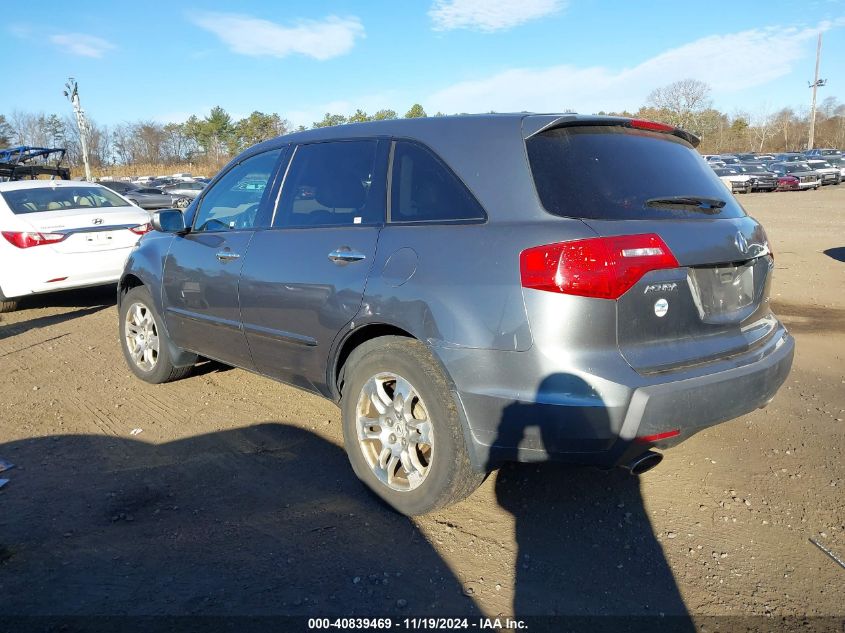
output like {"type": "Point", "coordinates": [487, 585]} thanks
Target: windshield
{"type": "Point", "coordinates": [31, 200]}
{"type": "Point", "coordinates": [611, 172]}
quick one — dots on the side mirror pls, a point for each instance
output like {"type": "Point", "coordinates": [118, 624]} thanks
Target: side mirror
{"type": "Point", "coordinates": [169, 221]}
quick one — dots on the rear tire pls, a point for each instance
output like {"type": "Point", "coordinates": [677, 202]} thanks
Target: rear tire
{"type": "Point", "coordinates": [8, 305]}
{"type": "Point", "coordinates": [145, 344]}
{"type": "Point", "coordinates": [412, 455]}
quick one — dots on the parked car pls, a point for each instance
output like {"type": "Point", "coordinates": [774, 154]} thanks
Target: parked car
{"type": "Point", "coordinates": [789, 157]}
{"type": "Point", "coordinates": [840, 163]}
{"type": "Point", "coordinates": [160, 181]}
{"type": "Point", "coordinates": [807, 178]}
{"type": "Point", "coordinates": [747, 156]}
{"type": "Point", "coordinates": [532, 287]}
{"type": "Point", "coordinates": [788, 182]}
{"type": "Point", "coordinates": [150, 198]}
{"type": "Point", "coordinates": [825, 153]}
{"type": "Point", "coordinates": [730, 159]}
{"type": "Point", "coordinates": [761, 178]}
{"type": "Point", "coordinates": [184, 192]}
{"type": "Point", "coordinates": [734, 179]}
{"type": "Point", "coordinates": [830, 175]}
{"type": "Point", "coordinates": [63, 234]}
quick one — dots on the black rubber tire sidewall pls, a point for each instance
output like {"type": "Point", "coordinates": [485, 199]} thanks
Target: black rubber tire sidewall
{"type": "Point", "coordinates": [450, 478]}
{"type": "Point", "coordinates": [164, 370]}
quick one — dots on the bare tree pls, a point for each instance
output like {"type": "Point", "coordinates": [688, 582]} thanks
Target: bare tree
{"type": "Point", "coordinates": [682, 103]}
{"type": "Point", "coordinates": [762, 126]}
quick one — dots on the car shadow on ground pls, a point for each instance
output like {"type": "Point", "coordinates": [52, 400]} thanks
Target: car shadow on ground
{"type": "Point", "coordinates": [87, 300]}
{"type": "Point", "coordinates": [104, 296]}
{"type": "Point", "coordinates": [263, 520]}
{"type": "Point", "coordinates": [20, 327]}
{"type": "Point", "coordinates": [837, 253]}
{"type": "Point", "coordinates": [585, 542]}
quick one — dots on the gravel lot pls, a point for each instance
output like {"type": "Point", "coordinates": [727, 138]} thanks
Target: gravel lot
{"type": "Point", "coordinates": [236, 498]}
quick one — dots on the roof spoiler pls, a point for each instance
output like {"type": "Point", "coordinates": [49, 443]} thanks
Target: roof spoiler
{"type": "Point", "coordinates": [534, 125]}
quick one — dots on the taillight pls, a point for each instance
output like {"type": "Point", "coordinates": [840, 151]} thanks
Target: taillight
{"type": "Point", "coordinates": [28, 239]}
{"type": "Point", "coordinates": [601, 267]}
{"type": "Point", "coordinates": [651, 125]}
{"type": "Point", "coordinates": [141, 229]}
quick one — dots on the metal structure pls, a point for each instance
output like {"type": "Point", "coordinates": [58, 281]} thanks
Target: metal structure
{"type": "Point", "coordinates": [817, 83]}
{"type": "Point", "coordinates": [72, 93]}
{"type": "Point", "coordinates": [22, 162]}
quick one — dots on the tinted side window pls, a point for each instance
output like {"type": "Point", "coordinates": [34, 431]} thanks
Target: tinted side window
{"type": "Point", "coordinates": [232, 203]}
{"type": "Point", "coordinates": [424, 189]}
{"type": "Point", "coordinates": [331, 184]}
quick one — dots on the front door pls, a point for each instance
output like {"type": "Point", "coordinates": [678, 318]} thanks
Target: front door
{"type": "Point", "coordinates": [303, 280]}
{"type": "Point", "coordinates": [203, 267]}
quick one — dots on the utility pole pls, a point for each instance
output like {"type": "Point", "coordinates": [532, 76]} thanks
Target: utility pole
{"type": "Point", "coordinates": [817, 83]}
{"type": "Point", "coordinates": [72, 93]}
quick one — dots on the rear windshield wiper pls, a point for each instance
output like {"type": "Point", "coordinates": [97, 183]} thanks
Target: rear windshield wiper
{"type": "Point", "coordinates": [694, 203]}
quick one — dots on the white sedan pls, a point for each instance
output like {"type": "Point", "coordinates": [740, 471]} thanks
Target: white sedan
{"type": "Point", "coordinates": [734, 180]}
{"type": "Point", "coordinates": [61, 234]}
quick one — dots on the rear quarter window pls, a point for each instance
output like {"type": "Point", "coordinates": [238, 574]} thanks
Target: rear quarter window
{"type": "Point", "coordinates": [610, 172]}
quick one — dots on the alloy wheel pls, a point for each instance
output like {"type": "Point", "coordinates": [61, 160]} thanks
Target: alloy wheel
{"type": "Point", "coordinates": [394, 431]}
{"type": "Point", "coordinates": [141, 335]}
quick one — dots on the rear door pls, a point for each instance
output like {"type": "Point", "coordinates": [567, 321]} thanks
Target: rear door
{"type": "Point", "coordinates": [303, 280]}
{"type": "Point", "coordinates": [203, 267]}
{"type": "Point", "coordinates": [624, 181]}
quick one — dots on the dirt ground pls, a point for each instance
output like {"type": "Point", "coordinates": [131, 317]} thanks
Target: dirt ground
{"type": "Point", "coordinates": [236, 498]}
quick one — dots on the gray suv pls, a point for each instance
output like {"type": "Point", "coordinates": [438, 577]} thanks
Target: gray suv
{"type": "Point", "coordinates": [471, 290]}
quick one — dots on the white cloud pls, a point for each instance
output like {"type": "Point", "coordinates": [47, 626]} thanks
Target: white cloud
{"type": "Point", "coordinates": [246, 35]}
{"type": "Point", "coordinates": [489, 15]}
{"type": "Point", "coordinates": [729, 63]}
{"type": "Point", "coordinates": [81, 44]}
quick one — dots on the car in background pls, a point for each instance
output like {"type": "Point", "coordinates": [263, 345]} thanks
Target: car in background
{"type": "Point", "coordinates": [761, 178]}
{"type": "Point", "coordinates": [730, 159]}
{"type": "Point", "coordinates": [788, 182]}
{"type": "Point", "coordinates": [838, 162]}
{"type": "Point", "coordinates": [830, 175]}
{"type": "Point", "coordinates": [160, 181]}
{"type": "Point", "coordinates": [184, 192]}
{"type": "Point", "coordinates": [789, 157]}
{"type": "Point", "coordinates": [734, 180]}
{"type": "Point", "coordinates": [807, 178]}
{"type": "Point", "coordinates": [150, 198]}
{"type": "Point", "coordinates": [63, 234]}
{"type": "Point", "coordinates": [745, 157]}
{"type": "Point", "coordinates": [824, 152]}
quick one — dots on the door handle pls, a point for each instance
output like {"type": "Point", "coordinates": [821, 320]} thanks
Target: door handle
{"type": "Point", "coordinates": [345, 255]}
{"type": "Point", "coordinates": [226, 256]}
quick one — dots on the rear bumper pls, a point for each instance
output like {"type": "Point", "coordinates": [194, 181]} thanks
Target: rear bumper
{"type": "Point", "coordinates": [589, 419]}
{"type": "Point", "coordinates": [33, 271]}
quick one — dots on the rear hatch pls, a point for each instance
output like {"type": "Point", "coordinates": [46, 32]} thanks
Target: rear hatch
{"type": "Point", "coordinates": [704, 299]}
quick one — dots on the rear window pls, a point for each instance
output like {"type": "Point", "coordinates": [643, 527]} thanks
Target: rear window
{"type": "Point", "coordinates": [30, 200]}
{"type": "Point", "coordinates": [611, 172]}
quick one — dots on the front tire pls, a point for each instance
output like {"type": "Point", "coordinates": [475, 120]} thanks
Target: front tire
{"type": "Point", "coordinates": [145, 344]}
{"type": "Point", "coordinates": [401, 427]}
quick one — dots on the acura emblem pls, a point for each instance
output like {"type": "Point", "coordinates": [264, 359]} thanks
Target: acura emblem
{"type": "Point", "coordinates": [741, 243]}
{"type": "Point", "coordinates": [98, 220]}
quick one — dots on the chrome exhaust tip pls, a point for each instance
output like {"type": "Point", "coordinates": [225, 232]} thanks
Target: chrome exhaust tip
{"type": "Point", "coordinates": [643, 462]}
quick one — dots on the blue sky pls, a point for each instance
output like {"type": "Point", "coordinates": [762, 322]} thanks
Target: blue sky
{"type": "Point", "coordinates": [166, 60]}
